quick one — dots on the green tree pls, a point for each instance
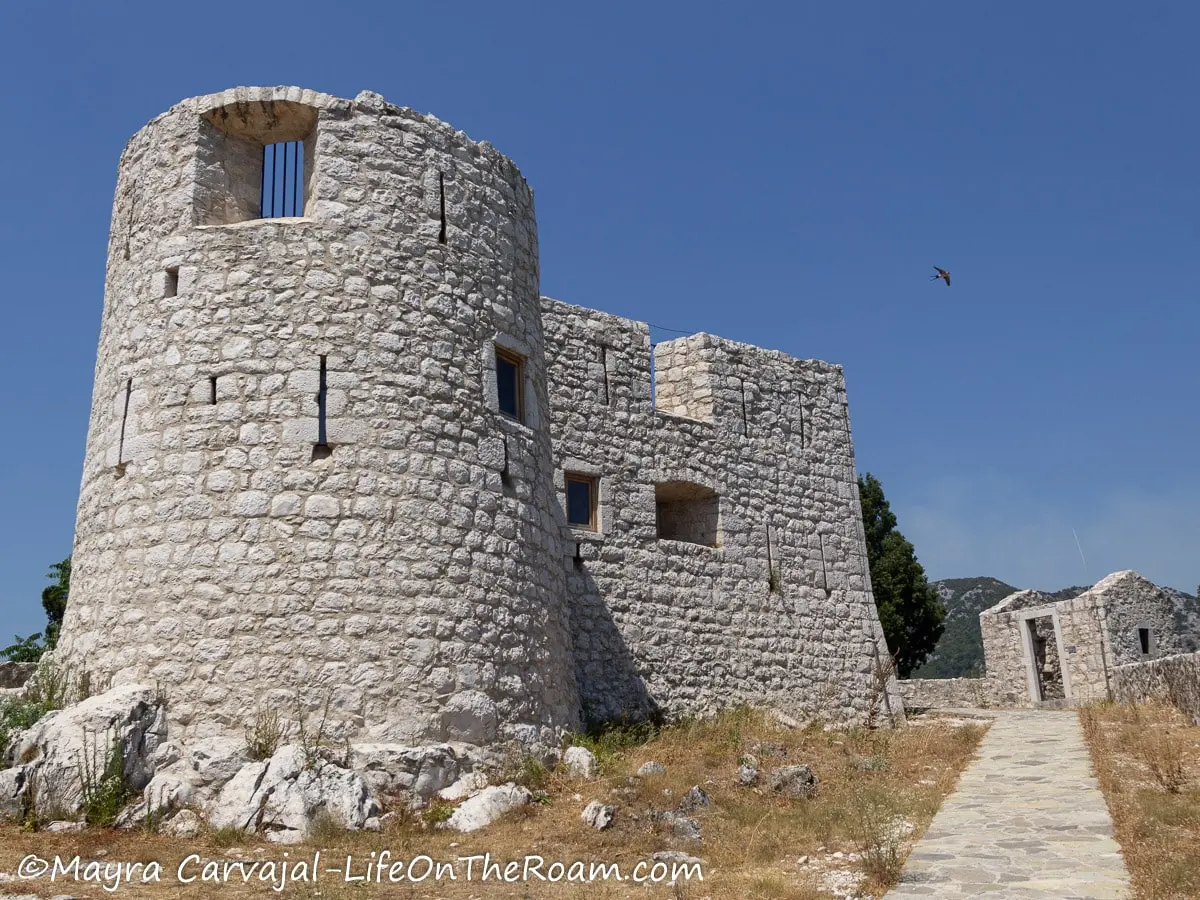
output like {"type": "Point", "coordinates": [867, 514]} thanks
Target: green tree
{"type": "Point", "coordinates": [909, 607]}
{"type": "Point", "coordinates": [24, 649]}
{"type": "Point", "coordinates": [54, 601]}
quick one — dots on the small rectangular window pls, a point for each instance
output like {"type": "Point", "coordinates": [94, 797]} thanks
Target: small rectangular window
{"type": "Point", "coordinates": [581, 502]}
{"type": "Point", "coordinates": [171, 287]}
{"type": "Point", "coordinates": [1144, 640]}
{"type": "Point", "coordinates": [509, 380]}
{"type": "Point", "coordinates": [283, 180]}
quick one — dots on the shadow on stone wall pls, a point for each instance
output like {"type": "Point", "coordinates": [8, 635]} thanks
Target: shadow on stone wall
{"type": "Point", "coordinates": [611, 687]}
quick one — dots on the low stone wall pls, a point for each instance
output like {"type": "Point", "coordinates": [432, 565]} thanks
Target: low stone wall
{"type": "Point", "coordinates": [1172, 679]}
{"type": "Point", "coordinates": [942, 693]}
{"type": "Point", "coordinates": [14, 674]}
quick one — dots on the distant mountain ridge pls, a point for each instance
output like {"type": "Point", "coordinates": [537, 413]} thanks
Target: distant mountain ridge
{"type": "Point", "coordinates": [959, 652]}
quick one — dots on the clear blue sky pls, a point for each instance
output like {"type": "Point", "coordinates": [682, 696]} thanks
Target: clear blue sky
{"type": "Point", "coordinates": [785, 176]}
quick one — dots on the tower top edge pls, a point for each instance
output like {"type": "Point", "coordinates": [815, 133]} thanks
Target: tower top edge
{"type": "Point", "coordinates": [365, 102]}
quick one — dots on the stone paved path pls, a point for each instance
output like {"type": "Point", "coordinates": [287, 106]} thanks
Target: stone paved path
{"type": "Point", "coordinates": [1026, 821]}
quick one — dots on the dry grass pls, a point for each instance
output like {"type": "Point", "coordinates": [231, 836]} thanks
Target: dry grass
{"type": "Point", "coordinates": [1147, 759]}
{"type": "Point", "coordinates": [752, 840]}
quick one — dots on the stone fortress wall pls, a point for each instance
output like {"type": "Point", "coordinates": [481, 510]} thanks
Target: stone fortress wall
{"type": "Point", "coordinates": [298, 476]}
{"type": "Point", "coordinates": [729, 561]}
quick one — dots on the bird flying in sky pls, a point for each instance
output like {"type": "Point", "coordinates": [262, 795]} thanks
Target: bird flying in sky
{"type": "Point", "coordinates": [943, 274]}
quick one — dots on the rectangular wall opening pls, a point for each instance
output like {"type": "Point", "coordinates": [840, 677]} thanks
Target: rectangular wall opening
{"type": "Point", "coordinates": [124, 420]}
{"type": "Point", "coordinates": [1144, 641]}
{"type": "Point", "coordinates": [283, 180]}
{"type": "Point", "coordinates": [603, 360]}
{"type": "Point", "coordinates": [254, 161]}
{"type": "Point", "coordinates": [321, 449]}
{"type": "Point", "coordinates": [688, 512]}
{"type": "Point", "coordinates": [802, 421]}
{"type": "Point", "coordinates": [171, 288]}
{"type": "Point", "coordinates": [1047, 666]}
{"type": "Point", "coordinates": [442, 202]}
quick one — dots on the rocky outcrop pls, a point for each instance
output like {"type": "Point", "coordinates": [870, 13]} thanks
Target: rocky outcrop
{"type": "Point", "coordinates": [122, 733]}
{"type": "Point", "coordinates": [120, 728]}
{"type": "Point", "coordinates": [13, 675]}
{"type": "Point", "coordinates": [283, 796]}
{"type": "Point", "coordinates": [396, 770]}
{"type": "Point", "coordinates": [213, 782]}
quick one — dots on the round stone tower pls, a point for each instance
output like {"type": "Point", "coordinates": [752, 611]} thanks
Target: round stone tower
{"type": "Point", "coordinates": [318, 466]}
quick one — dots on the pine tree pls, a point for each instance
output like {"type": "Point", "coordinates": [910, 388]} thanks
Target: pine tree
{"type": "Point", "coordinates": [909, 607]}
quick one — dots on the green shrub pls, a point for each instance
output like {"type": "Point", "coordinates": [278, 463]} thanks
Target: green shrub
{"type": "Point", "coordinates": [102, 779]}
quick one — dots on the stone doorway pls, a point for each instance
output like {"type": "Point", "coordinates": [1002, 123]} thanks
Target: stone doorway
{"type": "Point", "coordinates": [1047, 664]}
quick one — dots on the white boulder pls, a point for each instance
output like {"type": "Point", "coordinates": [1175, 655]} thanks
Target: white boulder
{"type": "Point", "coordinates": [580, 762]}
{"type": "Point", "coordinates": [487, 806]}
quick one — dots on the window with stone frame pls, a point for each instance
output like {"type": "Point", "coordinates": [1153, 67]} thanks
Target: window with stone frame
{"type": "Point", "coordinates": [510, 381]}
{"type": "Point", "coordinates": [582, 501]}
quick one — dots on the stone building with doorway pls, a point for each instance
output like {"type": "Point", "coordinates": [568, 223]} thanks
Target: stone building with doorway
{"type": "Point", "coordinates": [1042, 653]}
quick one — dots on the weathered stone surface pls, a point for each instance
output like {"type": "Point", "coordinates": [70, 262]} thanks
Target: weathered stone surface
{"type": "Point", "coordinates": [696, 798]}
{"type": "Point", "coordinates": [598, 815]}
{"type": "Point", "coordinates": [12, 789]}
{"type": "Point", "coordinates": [309, 404]}
{"type": "Point", "coordinates": [747, 775]}
{"type": "Point", "coordinates": [1172, 679]}
{"type": "Point", "coordinates": [793, 781]}
{"type": "Point", "coordinates": [63, 827]}
{"type": "Point", "coordinates": [650, 769]}
{"type": "Point", "coordinates": [183, 824]}
{"type": "Point", "coordinates": [580, 762]}
{"type": "Point", "coordinates": [395, 769]}
{"type": "Point", "coordinates": [281, 797]}
{"type": "Point", "coordinates": [468, 784]}
{"type": "Point", "coordinates": [943, 693]}
{"type": "Point", "coordinates": [686, 827]}
{"type": "Point", "coordinates": [171, 789]}
{"type": "Point", "coordinates": [217, 759]}
{"type": "Point", "coordinates": [126, 720]}
{"type": "Point", "coordinates": [487, 806]}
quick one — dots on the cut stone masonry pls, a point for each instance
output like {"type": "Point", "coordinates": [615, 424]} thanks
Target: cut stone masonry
{"type": "Point", "coordinates": [305, 471]}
